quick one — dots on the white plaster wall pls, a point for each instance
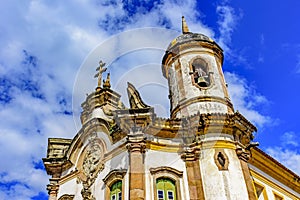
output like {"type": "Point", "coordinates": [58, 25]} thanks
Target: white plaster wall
{"type": "Point", "coordinates": [118, 162]}
{"type": "Point", "coordinates": [70, 187]}
{"type": "Point", "coordinates": [202, 107]}
{"type": "Point", "coordinates": [98, 188]}
{"type": "Point", "coordinates": [157, 159]}
{"type": "Point", "coordinates": [221, 185]}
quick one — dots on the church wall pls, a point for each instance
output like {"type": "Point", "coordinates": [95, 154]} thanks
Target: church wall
{"type": "Point", "coordinates": [70, 187]}
{"type": "Point", "coordinates": [222, 184]}
{"type": "Point", "coordinates": [118, 162]}
{"type": "Point", "coordinates": [155, 159]}
{"type": "Point", "coordinates": [271, 187]}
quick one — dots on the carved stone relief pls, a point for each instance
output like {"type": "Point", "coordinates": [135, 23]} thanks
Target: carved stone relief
{"type": "Point", "coordinates": [66, 197]}
{"type": "Point", "coordinates": [91, 166]}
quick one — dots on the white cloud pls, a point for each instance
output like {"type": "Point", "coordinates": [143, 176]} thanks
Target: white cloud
{"type": "Point", "coordinates": [290, 139]}
{"type": "Point", "coordinates": [246, 100]}
{"type": "Point", "coordinates": [38, 82]}
{"type": "Point", "coordinates": [35, 98]}
{"type": "Point", "coordinates": [286, 152]}
{"type": "Point", "coordinates": [227, 23]}
{"type": "Point", "coordinates": [289, 158]}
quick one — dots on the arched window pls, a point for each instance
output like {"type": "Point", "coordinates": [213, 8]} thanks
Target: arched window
{"type": "Point", "coordinates": [200, 72]}
{"type": "Point", "coordinates": [116, 191]}
{"type": "Point", "coordinates": [166, 189]}
{"type": "Point", "coordinates": [166, 183]}
{"type": "Point", "coordinates": [114, 184]}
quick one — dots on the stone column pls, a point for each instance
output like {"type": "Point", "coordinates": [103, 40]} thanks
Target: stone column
{"type": "Point", "coordinates": [191, 158]}
{"type": "Point", "coordinates": [244, 156]}
{"type": "Point", "coordinates": [136, 148]}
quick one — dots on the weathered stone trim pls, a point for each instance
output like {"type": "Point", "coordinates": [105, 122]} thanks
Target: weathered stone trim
{"type": "Point", "coordinates": [91, 165]}
{"type": "Point", "coordinates": [219, 157]}
{"type": "Point", "coordinates": [244, 156]}
{"type": "Point", "coordinates": [66, 197]}
{"type": "Point", "coordinates": [167, 172]}
{"type": "Point", "coordinates": [192, 163]}
{"type": "Point", "coordinates": [114, 175]}
{"type": "Point", "coordinates": [53, 188]}
{"type": "Point", "coordinates": [136, 146]}
{"type": "Point", "coordinates": [199, 99]}
{"type": "Point", "coordinates": [111, 178]}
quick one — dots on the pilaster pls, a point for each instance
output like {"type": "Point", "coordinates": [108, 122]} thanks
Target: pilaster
{"type": "Point", "coordinates": [191, 158]}
{"type": "Point", "coordinates": [53, 188]}
{"type": "Point", "coordinates": [244, 156]}
{"type": "Point", "coordinates": [136, 148]}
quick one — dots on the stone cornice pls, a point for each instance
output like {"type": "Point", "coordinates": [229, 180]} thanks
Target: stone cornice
{"type": "Point", "coordinates": [136, 142]}
{"type": "Point", "coordinates": [199, 99]}
{"type": "Point", "coordinates": [190, 154]}
{"type": "Point", "coordinates": [100, 98]}
{"type": "Point", "coordinates": [275, 169]}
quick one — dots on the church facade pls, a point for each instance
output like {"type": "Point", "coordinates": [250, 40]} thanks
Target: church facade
{"type": "Point", "coordinates": [203, 151]}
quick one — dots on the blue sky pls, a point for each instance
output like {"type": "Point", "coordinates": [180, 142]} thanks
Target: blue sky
{"type": "Point", "coordinates": [44, 44]}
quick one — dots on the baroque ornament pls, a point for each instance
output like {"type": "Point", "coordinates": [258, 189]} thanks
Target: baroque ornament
{"type": "Point", "coordinates": [92, 165]}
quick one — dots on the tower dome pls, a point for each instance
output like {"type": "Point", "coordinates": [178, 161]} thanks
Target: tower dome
{"type": "Point", "coordinates": [193, 66]}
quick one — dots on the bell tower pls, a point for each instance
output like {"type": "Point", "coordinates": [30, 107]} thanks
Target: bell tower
{"type": "Point", "coordinates": [193, 66]}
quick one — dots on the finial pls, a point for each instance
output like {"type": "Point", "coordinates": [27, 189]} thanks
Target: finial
{"type": "Point", "coordinates": [100, 70]}
{"type": "Point", "coordinates": [185, 28]}
{"type": "Point", "coordinates": [106, 84]}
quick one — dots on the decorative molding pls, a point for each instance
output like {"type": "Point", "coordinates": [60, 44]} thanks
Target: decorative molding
{"type": "Point", "coordinates": [191, 154]}
{"type": "Point", "coordinates": [136, 143]}
{"type": "Point", "coordinates": [52, 189]}
{"type": "Point", "coordinates": [91, 166]}
{"type": "Point", "coordinates": [243, 154]}
{"type": "Point", "coordinates": [134, 97]}
{"type": "Point", "coordinates": [66, 197]}
{"type": "Point", "coordinates": [262, 188]}
{"type": "Point", "coordinates": [111, 178]}
{"type": "Point", "coordinates": [273, 168]}
{"type": "Point", "coordinates": [199, 99]}
{"type": "Point", "coordinates": [221, 159]}
{"type": "Point", "coordinates": [114, 175]}
{"type": "Point", "coordinates": [167, 172]}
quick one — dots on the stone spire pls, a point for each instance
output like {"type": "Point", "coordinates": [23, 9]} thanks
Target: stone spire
{"type": "Point", "coordinates": [185, 28]}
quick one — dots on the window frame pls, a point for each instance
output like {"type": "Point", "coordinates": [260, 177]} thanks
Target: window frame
{"type": "Point", "coordinates": [111, 178]}
{"type": "Point", "coordinates": [168, 173]}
